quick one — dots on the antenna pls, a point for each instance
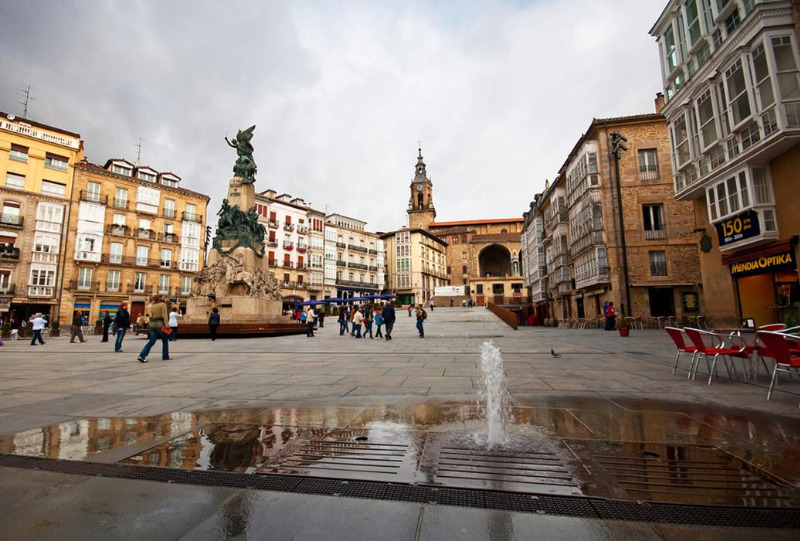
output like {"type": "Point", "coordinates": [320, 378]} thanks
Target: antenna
{"type": "Point", "coordinates": [25, 93]}
{"type": "Point", "coordinates": [138, 146]}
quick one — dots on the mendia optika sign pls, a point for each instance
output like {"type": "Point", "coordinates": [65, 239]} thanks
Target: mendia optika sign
{"type": "Point", "coordinates": [765, 263]}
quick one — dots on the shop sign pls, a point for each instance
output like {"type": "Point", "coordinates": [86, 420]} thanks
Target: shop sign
{"type": "Point", "coordinates": [742, 226]}
{"type": "Point", "coordinates": [765, 263]}
{"type": "Point", "coordinates": [5, 304]}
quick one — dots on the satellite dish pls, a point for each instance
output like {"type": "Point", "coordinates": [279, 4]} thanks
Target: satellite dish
{"type": "Point", "coordinates": [11, 117]}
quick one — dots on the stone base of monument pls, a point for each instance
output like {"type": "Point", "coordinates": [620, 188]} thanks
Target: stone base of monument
{"type": "Point", "coordinates": [239, 316]}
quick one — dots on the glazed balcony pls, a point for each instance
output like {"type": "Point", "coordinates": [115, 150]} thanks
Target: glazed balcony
{"type": "Point", "coordinates": [41, 292]}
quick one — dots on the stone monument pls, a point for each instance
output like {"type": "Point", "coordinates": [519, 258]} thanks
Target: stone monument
{"type": "Point", "coordinates": [236, 279]}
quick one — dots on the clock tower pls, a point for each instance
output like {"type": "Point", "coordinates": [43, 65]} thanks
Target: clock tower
{"type": "Point", "coordinates": [420, 207]}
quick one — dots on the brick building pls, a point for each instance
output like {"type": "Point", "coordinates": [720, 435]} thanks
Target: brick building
{"type": "Point", "coordinates": [574, 250]}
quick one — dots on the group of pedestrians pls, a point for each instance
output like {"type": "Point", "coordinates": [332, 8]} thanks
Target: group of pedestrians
{"type": "Point", "coordinates": [351, 319]}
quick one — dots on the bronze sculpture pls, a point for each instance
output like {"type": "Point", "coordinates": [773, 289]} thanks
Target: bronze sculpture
{"type": "Point", "coordinates": [245, 166]}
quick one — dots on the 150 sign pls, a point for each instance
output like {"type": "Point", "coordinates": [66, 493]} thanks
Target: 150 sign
{"type": "Point", "coordinates": [742, 226]}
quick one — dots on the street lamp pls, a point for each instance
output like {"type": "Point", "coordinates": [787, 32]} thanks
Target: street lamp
{"type": "Point", "coordinates": [618, 145]}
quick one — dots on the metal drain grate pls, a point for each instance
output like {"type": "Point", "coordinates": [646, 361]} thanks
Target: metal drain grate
{"type": "Point", "coordinates": [487, 499]}
{"type": "Point", "coordinates": [541, 472]}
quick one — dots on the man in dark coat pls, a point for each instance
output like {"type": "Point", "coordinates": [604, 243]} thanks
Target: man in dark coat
{"type": "Point", "coordinates": [388, 319]}
{"type": "Point", "coordinates": [213, 323]}
{"type": "Point", "coordinates": [121, 323]}
{"type": "Point", "coordinates": [106, 326]}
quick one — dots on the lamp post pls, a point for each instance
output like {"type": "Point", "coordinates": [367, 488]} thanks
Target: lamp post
{"type": "Point", "coordinates": [618, 144]}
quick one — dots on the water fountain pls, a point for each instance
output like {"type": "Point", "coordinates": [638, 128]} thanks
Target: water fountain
{"type": "Point", "coordinates": [494, 395]}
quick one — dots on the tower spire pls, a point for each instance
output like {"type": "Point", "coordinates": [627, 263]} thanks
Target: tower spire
{"type": "Point", "coordinates": [420, 171]}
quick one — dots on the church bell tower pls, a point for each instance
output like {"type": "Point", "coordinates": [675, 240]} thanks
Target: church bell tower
{"type": "Point", "coordinates": [420, 207]}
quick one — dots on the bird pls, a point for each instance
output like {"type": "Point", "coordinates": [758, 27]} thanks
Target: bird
{"type": "Point", "coordinates": [554, 354]}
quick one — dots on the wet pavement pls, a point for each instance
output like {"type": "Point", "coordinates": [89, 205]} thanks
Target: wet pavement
{"type": "Point", "coordinates": [606, 420]}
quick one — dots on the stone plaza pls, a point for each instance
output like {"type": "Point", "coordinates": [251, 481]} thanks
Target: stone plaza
{"type": "Point", "coordinates": [601, 394]}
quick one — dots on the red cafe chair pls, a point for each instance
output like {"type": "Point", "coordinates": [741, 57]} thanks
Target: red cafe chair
{"type": "Point", "coordinates": [677, 336]}
{"type": "Point", "coordinates": [717, 349]}
{"type": "Point", "coordinates": [787, 359]}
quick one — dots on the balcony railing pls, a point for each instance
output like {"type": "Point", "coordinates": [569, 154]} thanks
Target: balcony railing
{"type": "Point", "coordinates": [7, 289]}
{"type": "Point", "coordinates": [357, 248]}
{"type": "Point", "coordinates": [648, 172]}
{"type": "Point", "coordinates": [302, 230]}
{"type": "Point", "coordinates": [92, 197]}
{"type": "Point", "coordinates": [168, 237]}
{"type": "Point", "coordinates": [41, 291]}
{"type": "Point", "coordinates": [192, 217]}
{"type": "Point", "coordinates": [654, 234]}
{"type": "Point", "coordinates": [85, 255]}
{"type": "Point", "coordinates": [146, 234]}
{"type": "Point", "coordinates": [119, 203]}
{"type": "Point", "coordinates": [340, 263]}
{"type": "Point", "coordinates": [341, 245]}
{"type": "Point", "coordinates": [373, 251]}
{"type": "Point", "coordinates": [272, 243]}
{"type": "Point", "coordinates": [357, 266]}
{"type": "Point", "coordinates": [118, 230]}
{"type": "Point", "coordinates": [285, 264]}
{"type": "Point", "coordinates": [288, 245]}
{"type": "Point", "coordinates": [76, 285]}
{"type": "Point", "coordinates": [302, 249]}
{"type": "Point", "coordinates": [273, 224]}
{"type": "Point", "coordinates": [288, 227]}
{"type": "Point", "coordinates": [13, 220]}
{"type": "Point", "coordinates": [366, 285]}
{"type": "Point", "coordinates": [140, 290]}
{"type": "Point", "coordinates": [9, 252]}
{"type": "Point", "coordinates": [169, 213]}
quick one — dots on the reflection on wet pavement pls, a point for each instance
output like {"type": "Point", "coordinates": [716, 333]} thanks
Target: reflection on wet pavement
{"type": "Point", "coordinates": [622, 449]}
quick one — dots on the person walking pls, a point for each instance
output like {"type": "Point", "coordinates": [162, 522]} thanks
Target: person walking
{"type": "Point", "coordinates": [213, 323]}
{"type": "Point", "coordinates": [158, 319]}
{"type": "Point", "coordinates": [173, 323]}
{"type": "Point", "coordinates": [389, 319]}
{"type": "Point", "coordinates": [410, 308]}
{"type": "Point", "coordinates": [431, 305]}
{"type": "Point", "coordinates": [121, 323]}
{"type": "Point", "coordinates": [358, 318]}
{"type": "Point", "coordinates": [311, 319]}
{"type": "Point", "coordinates": [368, 321]}
{"type": "Point", "coordinates": [611, 317]}
{"type": "Point", "coordinates": [422, 315]}
{"type": "Point", "coordinates": [75, 329]}
{"type": "Point", "coordinates": [37, 325]}
{"type": "Point", "coordinates": [321, 317]}
{"type": "Point", "coordinates": [106, 325]}
{"type": "Point", "coordinates": [378, 318]}
{"type": "Point", "coordinates": [342, 321]}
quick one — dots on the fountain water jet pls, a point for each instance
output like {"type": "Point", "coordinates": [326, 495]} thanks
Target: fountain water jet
{"type": "Point", "coordinates": [493, 393]}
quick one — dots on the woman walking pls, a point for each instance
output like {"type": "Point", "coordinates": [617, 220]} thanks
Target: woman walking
{"type": "Point", "coordinates": [378, 322]}
{"type": "Point", "coordinates": [121, 324]}
{"type": "Point", "coordinates": [367, 322]}
{"type": "Point", "coordinates": [106, 325]}
{"type": "Point", "coordinates": [158, 320]}
{"type": "Point", "coordinates": [173, 323]}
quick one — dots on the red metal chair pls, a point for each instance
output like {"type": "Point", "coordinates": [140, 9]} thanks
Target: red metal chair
{"type": "Point", "coordinates": [677, 336]}
{"type": "Point", "coordinates": [777, 346]}
{"type": "Point", "coordinates": [717, 348]}
{"type": "Point", "coordinates": [758, 348]}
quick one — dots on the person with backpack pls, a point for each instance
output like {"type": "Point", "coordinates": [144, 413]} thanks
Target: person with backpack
{"type": "Point", "coordinates": [611, 317]}
{"type": "Point", "coordinates": [422, 315]}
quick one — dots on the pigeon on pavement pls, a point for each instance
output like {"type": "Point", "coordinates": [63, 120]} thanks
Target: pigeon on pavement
{"type": "Point", "coordinates": [554, 354]}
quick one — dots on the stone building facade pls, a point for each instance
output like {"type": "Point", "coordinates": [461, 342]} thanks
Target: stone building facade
{"type": "Point", "coordinates": [574, 254]}
{"type": "Point", "coordinates": [294, 245]}
{"type": "Point", "coordinates": [134, 232]}
{"type": "Point", "coordinates": [731, 77]}
{"type": "Point", "coordinates": [354, 259]}
{"type": "Point", "coordinates": [415, 264]}
{"type": "Point", "coordinates": [36, 176]}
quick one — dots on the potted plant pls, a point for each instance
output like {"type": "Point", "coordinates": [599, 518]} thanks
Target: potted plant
{"type": "Point", "coordinates": [623, 325]}
{"type": "Point", "coordinates": [5, 330]}
{"type": "Point", "coordinates": [55, 329]}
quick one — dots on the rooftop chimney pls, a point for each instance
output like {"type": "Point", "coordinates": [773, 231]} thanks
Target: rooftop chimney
{"type": "Point", "coordinates": [659, 102]}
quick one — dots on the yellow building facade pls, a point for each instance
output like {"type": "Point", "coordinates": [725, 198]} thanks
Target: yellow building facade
{"type": "Point", "coordinates": [36, 176]}
{"type": "Point", "coordinates": [134, 232]}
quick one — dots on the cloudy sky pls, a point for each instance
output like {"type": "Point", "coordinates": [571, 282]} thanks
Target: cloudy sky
{"type": "Point", "coordinates": [498, 92]}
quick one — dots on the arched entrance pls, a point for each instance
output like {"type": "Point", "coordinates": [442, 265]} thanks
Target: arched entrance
{"type": "Point", "coordinates": [495, 261]}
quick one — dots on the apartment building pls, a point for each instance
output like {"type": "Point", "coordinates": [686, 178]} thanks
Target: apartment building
{"type": "Point", "coordinates": [731, 78]}
{"type": "Point", "coordinates": [586, 242]}
{"type": "Point", "coordinates": [416, 262]}
{"type": "Point", "coordinates": [36, 172]}
{"type": "Point", "coordinates": [295, 245]}
{"type": "Point", "coordinates": [134, 231]}
{"type": "Point", "coordinates": [353, 259]}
